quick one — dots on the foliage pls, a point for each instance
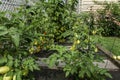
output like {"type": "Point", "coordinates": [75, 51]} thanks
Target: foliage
{"type": "Point", "coordinates": [54, 18]}
{"type": "Point", "coordinates": [79, 58]}
{"type": "Point", "coordinates": [89, 18]}
{"type": "Point", "coordinates": [36, 28]}
{"type": "Point", "coordinates": [30, 30]}
{"type": "Point", "coordinates": [106, 21]}
{"type": "Point", "coordinates": [59, 14]}
{"type": "Point", "coordinates": [14, 44]}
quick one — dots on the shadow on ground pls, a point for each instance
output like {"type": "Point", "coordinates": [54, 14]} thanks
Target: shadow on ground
{"type": "Point", "coordinates": [47, 74]}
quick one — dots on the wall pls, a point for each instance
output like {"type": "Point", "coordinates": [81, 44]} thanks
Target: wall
{"type": "Point", "coordinates": [85, 5]}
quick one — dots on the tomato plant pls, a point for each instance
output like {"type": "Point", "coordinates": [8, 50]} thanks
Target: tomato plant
{"type": "Point", "coordinates": [14, 42]}
{"type": "Point", "coordinates": [36, 28]}
{"type": "Point", "coordinates": [79, 58]}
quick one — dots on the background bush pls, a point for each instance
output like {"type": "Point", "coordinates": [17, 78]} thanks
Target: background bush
{"type": "Point", "coordinates": [105, 20]}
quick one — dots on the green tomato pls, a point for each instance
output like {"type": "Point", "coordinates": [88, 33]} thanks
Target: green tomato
{"type": "Point", "coordinates": [118, 57]}
{"type": "Point", "coordinates": [14, 77]}
{"type": "Point", "coordinates": [78, 41]}
{"type": "Point", "coordinates": [4, 69]}
{"type": "Point", "coordinates": [7, 77]}
{"type": "Point", "coordinates": [114, 57]}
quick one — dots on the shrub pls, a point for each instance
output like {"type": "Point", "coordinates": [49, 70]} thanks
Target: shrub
{"type": "Point", "coordinates": [106, 21]}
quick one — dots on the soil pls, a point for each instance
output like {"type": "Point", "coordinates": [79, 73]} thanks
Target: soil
{"type": "Point", "coordinates": [47, 74]}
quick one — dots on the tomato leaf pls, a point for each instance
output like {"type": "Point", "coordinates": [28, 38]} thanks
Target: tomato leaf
{"type": "Point", "coordinates": [3, 30]}
{"type": "Point", "coordinates": [15, 36]}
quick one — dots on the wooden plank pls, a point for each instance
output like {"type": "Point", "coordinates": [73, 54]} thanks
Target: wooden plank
{"type": "Point", "coordinates": [109, 55]}
{"type": "Point", "coordinates": [89, 3]}
{"type": "Point", "coordinates": [43, 65]}
{"type": "Point", "coordinates": [113, 64]}
{"type": "Point", "coordinates": [107, 64]}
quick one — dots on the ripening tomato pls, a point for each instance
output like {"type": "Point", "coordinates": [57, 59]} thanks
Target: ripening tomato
{"type": "Point", "coordinates": [118, 57]}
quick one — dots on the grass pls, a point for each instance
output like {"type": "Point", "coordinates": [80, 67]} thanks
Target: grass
{"type": "Point", "coordinates": [110, 43]}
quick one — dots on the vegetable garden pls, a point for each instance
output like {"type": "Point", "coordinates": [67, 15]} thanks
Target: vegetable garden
{"type": "Point", "coordinates": [46, 27]}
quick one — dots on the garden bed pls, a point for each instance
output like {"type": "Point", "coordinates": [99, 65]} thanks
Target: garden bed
{"type": "Point", "coordinates": [56, 73]}
{"type": "Point", "coordinates": [32, 35]}
{"type": "Point", "coordinates": [49, 74]}
{"type": "Point", "coordinates": [109, 55]}
{"type": "Point", "coordinates": [106, 54]}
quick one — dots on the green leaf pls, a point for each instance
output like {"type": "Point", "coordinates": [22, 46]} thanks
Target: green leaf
{"type": "Point", "coordinates": [3, 30]}
{"type": "Point", "coordinates": [10, 63]}
{"type": "Point", "coordinates": [3, 60]}
{"type": "Point", "coordinates": [88, 74]}
{"type": "Point", "coordinates": [19, 77]}
{"type": "Point", "coordinates": [67, 33]}
{"type": "Point", "coordinates": [36, 67]}
{"type": "Point", "coordinates": [67, 73]}
{"type": "Point", "coordinates": [81, 74]}
{"type": "Point", "coordinates": [16, 63]}
{"type": "Point", "coordinates": [15, 36]}
{"type": "Point", "coordinates": [31, 68]}
{"type": "Point", "coordinates": [103, 71]}
{"type": "Point", "coordinates": [9, 57]}
{"type": "Point", "coordinates": [108, 75]}
{"type": "Point", "coordinates": [52, 60]}
{"type": "Point", "coordinates": [1, 78]}
{"type": "Point", "coordinates": [16, 39]}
